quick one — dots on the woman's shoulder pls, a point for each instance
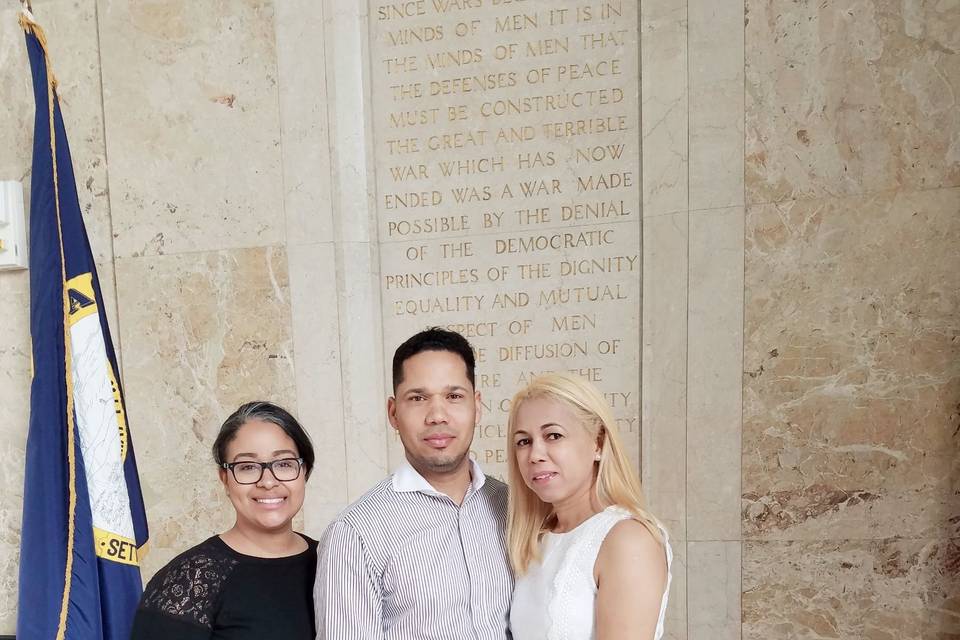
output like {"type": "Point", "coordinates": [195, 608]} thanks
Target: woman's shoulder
{"type": "Point", "coordinates": [189, 586]}
{"type": "Point", "coordinates": [630, 543]}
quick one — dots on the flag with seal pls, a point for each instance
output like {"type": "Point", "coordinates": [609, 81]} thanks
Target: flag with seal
{"type": "Point", "coordinates": [84, 528]}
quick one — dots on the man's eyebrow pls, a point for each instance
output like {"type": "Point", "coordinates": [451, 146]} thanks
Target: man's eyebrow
{"type": "Point", "coordinates": [447, 389]}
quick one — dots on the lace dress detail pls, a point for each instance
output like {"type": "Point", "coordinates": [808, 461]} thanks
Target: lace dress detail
{"type": "Point", "coordinates": [189, 587]}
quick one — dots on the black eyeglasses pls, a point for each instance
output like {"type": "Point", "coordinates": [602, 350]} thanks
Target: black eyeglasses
{"type": "Point", "coordinates": [250, 472]}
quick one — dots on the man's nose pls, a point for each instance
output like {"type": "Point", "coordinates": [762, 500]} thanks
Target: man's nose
{"type": "Point", "coordinates": [437, 411]}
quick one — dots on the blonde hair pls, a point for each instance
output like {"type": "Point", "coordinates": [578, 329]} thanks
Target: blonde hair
{"type": "Point", "coordinates": [616, 480]}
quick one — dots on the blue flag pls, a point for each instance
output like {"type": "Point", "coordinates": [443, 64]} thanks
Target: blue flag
{"type": "Point", "coordinates": [84, 528]}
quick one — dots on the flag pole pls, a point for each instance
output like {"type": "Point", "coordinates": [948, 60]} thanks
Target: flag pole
{"type": "Point", "coordinates": [30, 26]}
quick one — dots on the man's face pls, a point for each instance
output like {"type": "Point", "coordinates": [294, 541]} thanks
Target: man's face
{"type": "Point", "coordinates": [435, 411]}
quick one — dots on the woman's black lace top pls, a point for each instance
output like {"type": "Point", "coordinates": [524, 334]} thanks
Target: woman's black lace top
{"type": "Point", "coordinates": [211, 591]}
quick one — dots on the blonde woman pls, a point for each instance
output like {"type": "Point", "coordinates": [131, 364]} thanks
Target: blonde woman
{"type": "Point", "coordinates": [590, 561]}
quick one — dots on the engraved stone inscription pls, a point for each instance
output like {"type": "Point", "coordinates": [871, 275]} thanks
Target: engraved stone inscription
{"type": "Point", "coordinates": [507, 168]}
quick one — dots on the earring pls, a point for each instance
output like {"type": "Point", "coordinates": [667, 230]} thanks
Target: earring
{"type": "Point", "coordinates": [597, 457]}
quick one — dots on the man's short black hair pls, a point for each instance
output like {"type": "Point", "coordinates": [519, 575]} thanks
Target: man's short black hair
{"type": "Point", "coordinates": [264, 412]}
{"type": "Point", "coordinates": [433, 339]}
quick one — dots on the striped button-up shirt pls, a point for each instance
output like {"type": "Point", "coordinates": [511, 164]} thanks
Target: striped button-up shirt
{"type": "Point", "coordinates": [405, 562]}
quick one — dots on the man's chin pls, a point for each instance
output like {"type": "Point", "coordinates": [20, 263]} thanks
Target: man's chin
{"type": "Point", "coordinates": [444, 463]}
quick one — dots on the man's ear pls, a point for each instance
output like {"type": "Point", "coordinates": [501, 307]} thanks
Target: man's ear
{"type": "Point", "coordinates": [392, 411]}
{"type": "Point", "coordinates": [479, 406]}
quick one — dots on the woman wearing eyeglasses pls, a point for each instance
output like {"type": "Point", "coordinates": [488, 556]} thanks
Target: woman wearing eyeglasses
{"type": "Point", "coordinates": [255, 580]}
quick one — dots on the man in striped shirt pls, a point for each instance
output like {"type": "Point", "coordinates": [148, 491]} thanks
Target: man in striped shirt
{"type": "Point", "coordinates": [422, 555]}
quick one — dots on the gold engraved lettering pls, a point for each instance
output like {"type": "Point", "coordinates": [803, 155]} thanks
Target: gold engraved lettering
{"type": "Point", "coordinates": [459, 140]}
{"type": "Point", "coordinates": [616, 180]}
{"type": "Point", "coordinates": [397, 10]}
{"type": "Point", "coordinates": [474, 329]}
{"type": "Point", "coordinates": [405, 172]}
{"type": "Point", "coordinates": [618, 399]}
{"type": "Point", "coordinates": [403, 64]}
{"type": "Point", "coordinates": [588, 70]}
{"type": "Point", "coordinates": [471, 194]}
{"type": "Point", "coordinates": [562, 296]}
{"type": "Point", "coordinates": [596, 210]}
{"type": "Point", "coordinates": [414, 35]}
{"type": "Point", "coordinates": [590, 266]}
{"type": "Point", "coordinates": [575, 322]}
{"type": "Point", "coordinates": [592, 374]}
{"type": "Point", "coordinates": [454, 58]}
{"type": "Point", "coordinates": [548, 46]}
{"type": "Point", "coordinates": [542, 351]}
{"type": "Point", "coordinates": [489, 380]}
{"type": "Point", "coordinates": [403, 145]}
{"type": "Point", "coordinates": [432, 278]}
{"type": "Point", "coordinates": [456, 249]}
{"type": "Point", "coordinates": [599, 153]}
{"type": "Point", "coordinates": [587, 99]}
{"type": "Point", "coordinates": [585, 127]}
{"type": "Point", "coordinates": [540, 215]}
{"type": "Point", "coordinates": [413, 117]}
{"type": "Point", "coordinates": [412, 199]}
{"type": "Point", "coordinates": [535, 159]}
{"type": "Point", "coordinates": [406, 91]}
{"type": "Point", "coordinates": [421, 226]}
{"type": "Point", "coordinates": [515, 300]}
{"type": "Point", "coordinates": [472, 84]}
{"type": "Point", "coordinates": [601, 40]}
{"type": "Point", "coordinates": [555, 241]}
{"type": "Point", "coordinates": [437, 304]}
{"type": "Point", "coordinates": [470, 166]}
{"type": "Point", "coordinates": [536, 271]}
{"type": "Point", "coordinates": [517, 22]}
{"type": "Point", "coordinates": [445, 6]}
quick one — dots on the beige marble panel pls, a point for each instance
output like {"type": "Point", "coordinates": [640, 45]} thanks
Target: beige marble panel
{"type": "Point", "coordinates": [715, 374]}
{"type": "Point", "coordinates": [363, 366]}
{"type": "Point", "coordinates": [71, 29]}
{"type": "Point", "coordinates": [351, 147]}
{"type": "Point", "coordinates": [317, 365]}
{"type": "Point", "coordinates": [305, 140]}
{"type": "Point", "coordinates": [851, 97]}
{"type": "Point", "coordinates": [16, 116]}
{"type": "Point", "coordinates": [15, 375]}
{"type": "Point", "coordinates": [664, 369]}
{"type": "Point", "coordinates": [716, 103]}
{"type": "Point", "coordinates": [890, 589]}
{"type": "Point", "coordinates": [852, 367]}
{"type": "Point", "coordinates": [357, 258]}
{"type": "Point", "coordinates": [664, 109]}
{"type": "Point", "coordinates": [713, 575]}
{"type": "Point", "coordinates": [675, 619]}
{"type": "Point", "coordinates": [191, 100]}
{"type": "Point", "coordinates": [201, 333]}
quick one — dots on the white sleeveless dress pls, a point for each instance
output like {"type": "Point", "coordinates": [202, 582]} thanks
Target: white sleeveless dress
{"type": "Point", "coordinates": [555, 599]}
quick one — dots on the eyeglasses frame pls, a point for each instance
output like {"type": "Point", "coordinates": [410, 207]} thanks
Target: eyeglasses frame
{"type": "Point", "coordinates": [263, 467]}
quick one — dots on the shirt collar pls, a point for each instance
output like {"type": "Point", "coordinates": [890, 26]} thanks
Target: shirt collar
{"type": "Point", "coordinates": [408, 479]}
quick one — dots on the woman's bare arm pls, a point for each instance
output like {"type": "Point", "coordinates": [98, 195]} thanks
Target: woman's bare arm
{"type": "Point", "coordinates": [631, 574]}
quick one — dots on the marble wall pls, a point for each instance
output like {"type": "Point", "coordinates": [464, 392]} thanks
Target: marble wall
{"type": "Point", "coordinates": [851, 472]}
{"type": "Point", "coordinates": [795, 218]}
